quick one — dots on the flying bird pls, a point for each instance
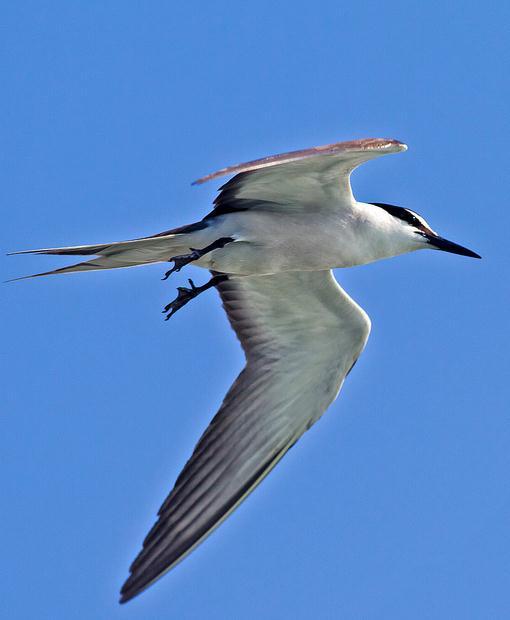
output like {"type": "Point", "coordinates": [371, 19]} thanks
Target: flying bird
{"type": "Point", "coordinates": [277, 229]}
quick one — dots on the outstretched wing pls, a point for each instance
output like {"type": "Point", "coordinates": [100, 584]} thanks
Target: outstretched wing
{"type": "Point", "coordinates": [301, 334]}
{"type": "Point", "coordinates": [299, 179]}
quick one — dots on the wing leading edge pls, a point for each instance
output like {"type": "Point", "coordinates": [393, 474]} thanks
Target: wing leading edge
{"type": "Point", "coordinates": [366, 148]}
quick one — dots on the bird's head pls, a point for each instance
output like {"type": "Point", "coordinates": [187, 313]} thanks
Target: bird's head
{"type": "Point", "coordinates": [412, 228]}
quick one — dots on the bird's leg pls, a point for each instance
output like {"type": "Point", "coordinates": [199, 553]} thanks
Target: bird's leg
{"type": "Point", "coordinates": [187, 294]}
{"type": "Point", "coordinates": [184, 259]}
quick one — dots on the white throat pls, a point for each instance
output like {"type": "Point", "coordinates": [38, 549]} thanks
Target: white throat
{"type": "Point", "coordinates": [380, 235]}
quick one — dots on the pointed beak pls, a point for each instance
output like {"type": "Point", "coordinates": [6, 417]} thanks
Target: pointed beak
{"type": "Point", "coordinates": [448, 246]}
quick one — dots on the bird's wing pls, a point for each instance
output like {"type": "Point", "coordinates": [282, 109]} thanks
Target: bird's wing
{"type": "Point", "coordinates": [301, 334]}
{"type": "Point", "coordinates": [299, 179]}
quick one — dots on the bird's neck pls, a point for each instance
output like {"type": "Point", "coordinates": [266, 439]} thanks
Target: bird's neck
{"type": "Point", "coordinates": [377, 235]}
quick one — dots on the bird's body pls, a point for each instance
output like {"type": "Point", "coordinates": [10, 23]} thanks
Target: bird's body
{"type": "Point", "coordinates": [277, 229]}
{"type": "Point", "coordinates": [301, 241]}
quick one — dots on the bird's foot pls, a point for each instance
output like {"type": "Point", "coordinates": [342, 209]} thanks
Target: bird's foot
{"type": "Point", "coordinates": [181, 261]}
{"type": "Point", "coordinates": [185, 294]}
{"type": "Point", "coordinates": [184, 259]}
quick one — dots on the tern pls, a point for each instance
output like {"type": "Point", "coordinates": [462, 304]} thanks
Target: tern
{"type": "Point", "coordinates": [277, 229]}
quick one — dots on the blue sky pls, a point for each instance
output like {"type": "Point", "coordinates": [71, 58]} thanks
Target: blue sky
{"type": "Point", "coordinates": [396, 504]}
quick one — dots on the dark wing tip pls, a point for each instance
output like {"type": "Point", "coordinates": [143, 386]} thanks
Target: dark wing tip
{"type": "Point", "coordinates": [129, 591]}
{"type": "Point", "coordinates": [144, 574]}
{"type": "Point", "coordinates": [136, 584]}
{"type": "Point", "coordinates": [367, 144]}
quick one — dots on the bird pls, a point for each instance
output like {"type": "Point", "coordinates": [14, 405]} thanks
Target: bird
{"type": "Point", "coordinates": [277, 229]}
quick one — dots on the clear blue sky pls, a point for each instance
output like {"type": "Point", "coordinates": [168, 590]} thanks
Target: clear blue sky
{"type": "Point", "coordinates": [396, 504]}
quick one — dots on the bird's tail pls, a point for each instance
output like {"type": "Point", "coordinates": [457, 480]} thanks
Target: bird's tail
{"type": "Point", "coordinates": [158, 248]}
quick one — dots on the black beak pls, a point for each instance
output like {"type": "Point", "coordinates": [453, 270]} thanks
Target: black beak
{"type": "Point", "coordinates": [448, 246]}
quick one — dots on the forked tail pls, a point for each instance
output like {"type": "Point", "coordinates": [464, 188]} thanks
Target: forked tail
{"type": "Point", "coordinates": [144, 251]}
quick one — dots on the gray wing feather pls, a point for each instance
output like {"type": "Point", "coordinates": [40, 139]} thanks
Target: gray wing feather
{"type": "Point", "coordinates": [306, 179]}
{"type": "Point", "coordinates": [301, 334]}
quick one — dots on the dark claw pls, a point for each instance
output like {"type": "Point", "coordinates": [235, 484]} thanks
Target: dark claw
{"type": "Point", "coordinates": [187, 294]}
{"type": "Point", "coordinates": [181, 261]}
{"type": "Point", "coordinates": [183, 296]}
